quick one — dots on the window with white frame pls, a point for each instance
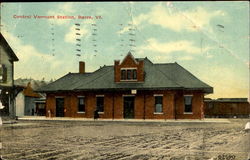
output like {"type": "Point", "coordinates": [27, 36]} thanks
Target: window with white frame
{"type": "Point", "coordinates": [123, 74]}
{"type": "Point", "coordinates": [128, 74]}
{"type": "Point", "coordinates": [134, 71]}
{"type": "Point", "coordinates": [188, 103]}
{"type": "Point", "coordinates": [81, 104]}
{"type": "Point", "coordinates": [100, 103]}
{"type": "Point", "coordinates": [3, 73]}
{"type": "Point", "coordinates": [158, 103]}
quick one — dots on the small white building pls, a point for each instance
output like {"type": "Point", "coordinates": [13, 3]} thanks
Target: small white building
{"type": "Point", "coordinates": [28, 102]}
{"type": "Point", "coordinates": [20, 98]}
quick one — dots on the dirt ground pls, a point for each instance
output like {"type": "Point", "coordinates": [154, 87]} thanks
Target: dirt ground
{"type": "Point", "coordinates": [99, 140]}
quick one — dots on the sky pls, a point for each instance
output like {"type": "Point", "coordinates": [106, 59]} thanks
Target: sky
{"type": "Point", "coordinates": [209, 39]}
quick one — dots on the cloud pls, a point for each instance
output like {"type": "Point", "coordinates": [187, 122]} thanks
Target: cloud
{"type": "Point", "coordinates": [20, 48]}
{"type": "Point", "coordinates": [71, 36]}
{"type": "Point", "coordinates": [160, 58]}
{"type": "Point", "coordinates": [191, 20]}
{"type": "Point", "coordinates": [90, 21]}
{"type": "Point", "coordinates": [32, 63]}
{"type": "Point", "coordinates": [141, 18]}
{"type": "Point", "coordinates": [66, 9]}
{"type": "Point", "coordinates": [181, 50]}
{"type": "Point", "coordinates": [248, 64]}
{"type": "Point", "coordinates": [170, 47]}
{"type": "Point", "coordinates": [186, 58]}
{"type": "Point", "coordinates": [209, 55]}
{"type": "Point", "coordinates": [125, 29]}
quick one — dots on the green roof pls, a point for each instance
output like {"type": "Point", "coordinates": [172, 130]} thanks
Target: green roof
{"type": "Point", "coordinates": [170, 76]}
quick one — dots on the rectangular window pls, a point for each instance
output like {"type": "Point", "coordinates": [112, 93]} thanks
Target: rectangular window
{"type": "Point", "coordinates": [134, 74]}
{"type": "Point", "coordinates": [158, 104]}
{"type": "Point", "coordinates": [3, 73]}
{"type": "Point", "coordinates": [123, 74]}
{"type": "Point", "coordinates": [188, 103]}
{"type": "Point", "coordinates": [129, 74]}
{"type": "Point", "coordinates": [100, 103]}
{"type": "Point", "coordinates": [81, 104]}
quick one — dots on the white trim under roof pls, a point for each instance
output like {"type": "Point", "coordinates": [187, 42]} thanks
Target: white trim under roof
{"type": "Point", "coordinates": [126, 68]}
{"type": "Point", "coordinates": [59, 96]}
{"type": "Point", "coordinates": [158, 113]}
{"type": "Point", "coordinates": [80, 96]}
{"type": "Point", "coordinates": [187, 112]}
{"type": "Point", "coordinates": [128, 95]}
{"type": "Point", "coordinates": [101, 112]}
{"type": "Point", "coordinates": [80, 112]}
{"type": "Point", "coordinates": [129, 80]}
{"type": "Point", "coordinates": [158, 95]}
{"type": "Point", "coordinates": [101, 95]}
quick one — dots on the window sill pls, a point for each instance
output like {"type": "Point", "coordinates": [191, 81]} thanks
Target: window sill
{"type": "Point", "coordinates": [129, 80]}
{"type": "Point", "coordinates": [158, 112]}
{"type": "Point", "coordinates": [100, 112]}
{"type": "Point", "coordinates": [81, 112]}
{"type": "Point", "coordinates": [188, 112]}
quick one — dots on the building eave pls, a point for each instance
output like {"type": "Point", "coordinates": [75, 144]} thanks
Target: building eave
{"type": "Point", "coordinates": [8, 49]}
{"type": "Point", "coordinates": [205, 90]}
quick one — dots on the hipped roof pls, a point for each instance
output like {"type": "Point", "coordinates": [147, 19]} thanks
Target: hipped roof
{"type": "Point", "coordinates": [170, 76]}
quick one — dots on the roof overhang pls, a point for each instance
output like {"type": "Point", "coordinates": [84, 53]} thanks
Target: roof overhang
{"type": "Point", "coordinates": [208, 90]}
{"type": "Point", "coordinates": [204, 90]}
{"type": "Point", "coordinates": [8, 49]}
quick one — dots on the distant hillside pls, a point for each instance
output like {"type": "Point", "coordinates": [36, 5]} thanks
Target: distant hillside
{"type": "Point", "coordinates": [35, 84]}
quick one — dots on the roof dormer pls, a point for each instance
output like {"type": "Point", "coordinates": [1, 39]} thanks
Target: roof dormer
{"type": "Point", "coordinates": [129, 70]}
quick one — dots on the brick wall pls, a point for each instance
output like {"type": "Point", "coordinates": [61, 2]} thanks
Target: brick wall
{"type": "Point", "coordinates": [197, 105]}
{"type": "Point", "coordinates": [50, 105]}
{"type": "Point", "coordinates": [118, 106]}
{"type": "Point", "coordinates": [129, 62]}
{"type": "Point", "coordinates": [139, 106]}
{"type": "Point", "coordinates": [144, 105]}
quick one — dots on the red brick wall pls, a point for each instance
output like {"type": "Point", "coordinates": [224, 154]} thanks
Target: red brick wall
{"type": "Point", "coordinates": [50, 105]}
{"type": "Point", "coordinates": [91, 105]}
{"type": "Point", "coordinates": [169, 107]}
{"type": "Point", "coordinates": [149, 106]}
{"type": "Point", "coordinates": [139, 106]}
{"type": "Point", "coordinates": [67, 106]}
{"type": "Point", "coordinates": [72, 109]}
{"type": "Point", "coordinates": [140, 71]}
{"type": "Point", "coordinates": [197, 105]}
{"type": "Point", "coordinates": [129, 62]}
{"type": "Point", "coordinates": [118, 106]}
{"type": "Point", "coordinates": [144, 105]}
{"type": "Point", "coordinates": [108, 106]}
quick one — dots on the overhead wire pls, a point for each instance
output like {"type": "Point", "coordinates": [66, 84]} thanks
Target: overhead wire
{"type": "Point", "coordinates": [195, 26]}
{"type": "Point", "coordinates": [199, 28]}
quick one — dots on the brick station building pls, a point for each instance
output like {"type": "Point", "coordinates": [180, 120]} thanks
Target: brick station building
{"type": "Point", "coordinates": [132, 88]}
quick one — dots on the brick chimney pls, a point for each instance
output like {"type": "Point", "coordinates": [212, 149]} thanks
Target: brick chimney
{"type": "Point", "coordinates": [81, 67]}
{"type": "Point", "coordinates": [117, 71]}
